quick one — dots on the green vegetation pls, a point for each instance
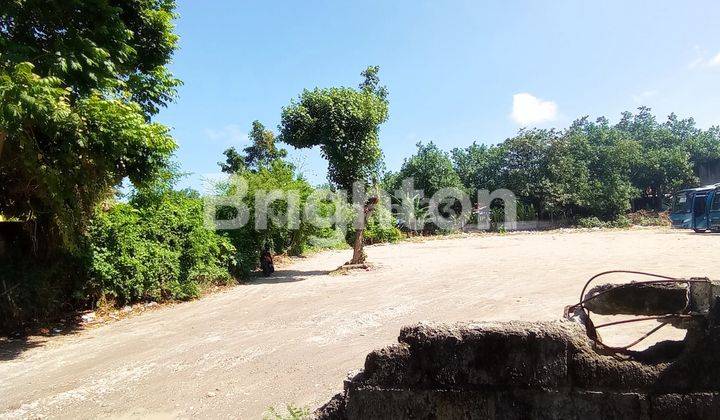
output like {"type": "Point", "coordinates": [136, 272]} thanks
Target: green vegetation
{"type": "Point", "coordinates": [80, 83]}
{"type": "Point", "coordinates": [431, 170]}
{"type": "Point", "coordinates": [76, 106]}
{"type": "Point", "coordinates": [278, 176]}
{"type": "Point", "coordinates": [292, 412]}
{"type": "Point", "coordinates": [259, 154]}
{"type": "Point", "coordinates": [154, 248]}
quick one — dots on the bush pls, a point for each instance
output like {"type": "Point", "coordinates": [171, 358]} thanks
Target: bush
{"type": "Point", "coordinates": [249, 241]}
{"type": "Point", "coordinates": [381, 227]}
{"type": "Point", "coordinates": [620, 222]}
{"type": "Point", "coordinates": [591, 222]}
{"type": "Point", "coordinates": [649, 218]}
{"type": "Point", "coordinates": [155, 249]}
{"type": "Point", "coordinates": [376, 233]}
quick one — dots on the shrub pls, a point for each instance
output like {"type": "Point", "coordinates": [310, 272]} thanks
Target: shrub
{"type": "Point", "coordinates": [649, 218]}
{"type": "Point", "coordinates": [292, 413]}
{"type": "Point", "coordinates": [591, 222]}
{"type": "Point", "coordinates": [249, 241]}
{"type": "Point", "coordinates": [376, 233]}
{"type": "Point", "coordinates": [155, 249]}
{"type": "Point", "coordinates": [620, 222]}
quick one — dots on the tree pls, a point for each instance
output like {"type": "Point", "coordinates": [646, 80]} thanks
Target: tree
{"type": "Point", "coordinates": [344, 123]}
{"type": "Point", "coordinates": [663, 162]}
{"type": "Point", "coordinates": [524, 167]}
{"type": "Point", "coordinates": [259, 154]}
{"type": "Point", "coordinates": [479, 166]}
{"type": "Point", "coordinates": [234, 162]}
{"type": "Point", "coordinates": [79, 84]}
{"type": "Point", "coordinates": [431, 170]}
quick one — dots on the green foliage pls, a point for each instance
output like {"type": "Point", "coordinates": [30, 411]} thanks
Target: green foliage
{"type": "Point", "coordinates": [292, 413]}
{"type": "Point", "coordinates": [621, 221]}
{"type": "Point", "coordinates": [119, 48]}
{"type": "Point", "coordinates": [592, 168]}
{"type": "Point", "coordinates": [155, 248]}
{"type": "Point", "coordinates": [381, 227]}
{"type": "Point", "coordinates": [76, 104]}
{"type": "Point", "coordinates": [249, 241]}
{"type": "Point", "coordinates": [345, 123]}
{"type": "Point", "coordinates": [259, 154]}
{"type": "Point", "coordinates": [431, 170]}
{"type": "Point", "coordinates": [479, 166]}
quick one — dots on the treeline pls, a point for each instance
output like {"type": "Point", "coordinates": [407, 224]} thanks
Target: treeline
{"type": "Point", "coordinates": [590, 169]}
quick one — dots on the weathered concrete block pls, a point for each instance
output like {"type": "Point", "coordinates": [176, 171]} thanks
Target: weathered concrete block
{"type": "Point", "coordinates": [565, 404]}
{"type": "Point", "coordinates": [685, 406]}
{"type": "Point", "coordinates": [387, 367]}
{"type": "Point", "coordinates": [333, 409]}
{"type": "Point", "coordinates": [378, 403]}
{"type": "Point", "coordinates": [591, 371]}
{"type": "Point", "coordinates": [521, 370]}
{"type": "Point", "coordinates": [473, 356]}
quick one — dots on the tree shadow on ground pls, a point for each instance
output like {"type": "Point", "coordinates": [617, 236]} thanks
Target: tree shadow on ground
{"type": "Point", "coordinates": [285, 276]}
{"type": "Point", "coordinates": [10, 348]}
{"type": "Point", "coordinates": [16, 344]}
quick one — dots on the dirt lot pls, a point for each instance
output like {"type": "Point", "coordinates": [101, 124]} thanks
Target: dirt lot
{"type": "Point", "coordinates": [292, 338]}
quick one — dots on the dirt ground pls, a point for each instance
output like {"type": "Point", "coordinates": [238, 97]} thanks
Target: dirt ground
{"type": "Point", "coordinates": [293, 337]}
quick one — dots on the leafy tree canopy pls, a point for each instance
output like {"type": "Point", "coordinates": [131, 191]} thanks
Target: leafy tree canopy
{"type": "Point", "coordinates": [431, 169]}
{"type": "Point", "coordinates": [345, 123]}
{"type": "Point", "coordinates": [79, 83]}
{"type": "Point", "coordinates": [261, 152]}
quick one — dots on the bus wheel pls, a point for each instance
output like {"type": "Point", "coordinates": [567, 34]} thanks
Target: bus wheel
{"type": "Point", "coordinates": [699, 230]}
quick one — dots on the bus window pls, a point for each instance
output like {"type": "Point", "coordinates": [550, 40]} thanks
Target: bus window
{"type": "Point", "coordinates": [716, 202]}
{"type": "Point", "coordinates": [681, 203]}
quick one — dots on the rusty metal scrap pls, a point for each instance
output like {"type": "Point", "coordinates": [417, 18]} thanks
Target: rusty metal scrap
{"type": "Point", "coordinates": [680, 302]}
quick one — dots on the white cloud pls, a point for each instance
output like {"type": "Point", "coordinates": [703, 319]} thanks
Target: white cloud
{"type": "Point", "coordinates": [715, 61]}
{"type": "Point", "coordinates": [696, 63]}
{"type": "Point", "coordinates": [527, 109]}
{"type": "Point", "coordinates": [701, 60]}
{"type": "Point", "coordinates": [229, 134]}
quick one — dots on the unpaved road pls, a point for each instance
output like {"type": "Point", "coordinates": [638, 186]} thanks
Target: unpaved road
{"type": "Point", "coordinates": [292, 338]}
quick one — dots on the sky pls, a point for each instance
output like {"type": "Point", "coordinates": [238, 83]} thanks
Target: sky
{"type": "Point", "coordinates": [457, 71]}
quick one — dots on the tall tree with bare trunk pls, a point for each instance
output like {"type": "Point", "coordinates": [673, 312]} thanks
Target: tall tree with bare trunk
{"type": "Point", "coordinates": [345, 123]}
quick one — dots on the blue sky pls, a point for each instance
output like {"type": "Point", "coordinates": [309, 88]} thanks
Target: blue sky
{"type": "Point", "coordinates": [457, 71]}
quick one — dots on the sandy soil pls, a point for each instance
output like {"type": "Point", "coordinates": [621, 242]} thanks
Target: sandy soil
{"type": "Point", "coordinates": [293, 337]}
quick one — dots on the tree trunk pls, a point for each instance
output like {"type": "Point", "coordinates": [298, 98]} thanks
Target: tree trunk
{"type": "Point", "coordinates": [358, 253]}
